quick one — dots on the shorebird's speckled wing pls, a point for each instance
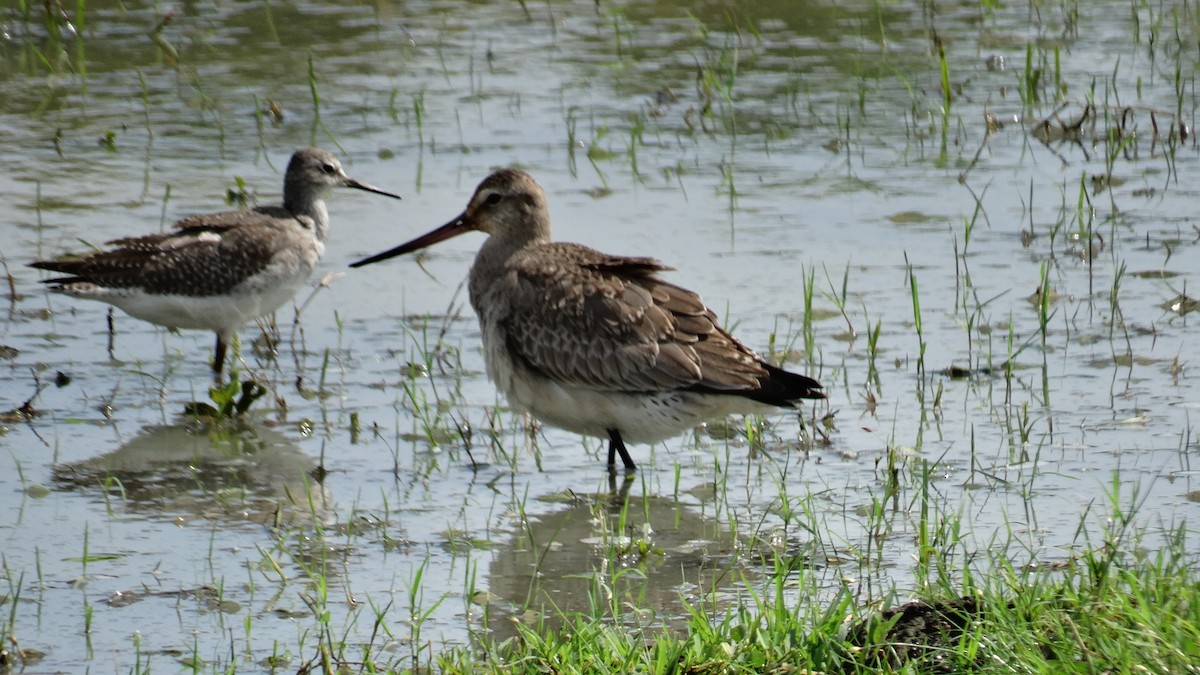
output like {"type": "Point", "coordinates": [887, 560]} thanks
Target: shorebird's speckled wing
{"type": "Point", "coordinates": [206, 255]}
{"type": "Point", "coordinates": [258, 216]}
{"type": "Point", "coordinates": [586, 318]}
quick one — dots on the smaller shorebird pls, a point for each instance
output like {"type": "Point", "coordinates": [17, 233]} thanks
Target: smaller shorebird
{"type": "Point", "coordinates": [595, 343]}
{"type": "Point", "coordinates": [216, 271]}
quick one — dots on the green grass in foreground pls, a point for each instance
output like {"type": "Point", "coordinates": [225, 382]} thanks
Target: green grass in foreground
{"type": "Point", "coordinates": [1110, 609]}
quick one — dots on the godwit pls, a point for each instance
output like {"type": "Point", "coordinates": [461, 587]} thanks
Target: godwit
{"type": "Point", "coordinates": [216, 270]}
{"type": "Point", "coordinates": [595, 343]}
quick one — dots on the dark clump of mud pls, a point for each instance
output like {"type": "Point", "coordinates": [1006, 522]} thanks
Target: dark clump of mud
{"type": "Point", "coordinates": [928, 635]}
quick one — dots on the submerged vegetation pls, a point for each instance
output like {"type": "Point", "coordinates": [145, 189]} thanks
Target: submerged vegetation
{"type": "Point", "coordinates": [973, 223]}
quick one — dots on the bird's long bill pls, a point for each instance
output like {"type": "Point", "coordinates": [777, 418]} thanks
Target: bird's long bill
{"type": "Point", "coordinates": [447, 231]}
{"type": "Point", "coordinates": [350, 182]}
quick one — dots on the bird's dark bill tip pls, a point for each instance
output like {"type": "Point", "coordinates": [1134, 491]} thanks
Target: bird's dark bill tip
{"type": "Point", "coordinates": [450, 229]}
{"type": "Point", "coordinates": [370, 188]}
{"type": "Point", "coordinates": [390, 253]}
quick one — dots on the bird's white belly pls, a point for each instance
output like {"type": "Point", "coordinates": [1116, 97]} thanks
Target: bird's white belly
{"type": "Point", "coordinates": [641, 417]}
{"type": "Point", "coordinates": [221, 313]}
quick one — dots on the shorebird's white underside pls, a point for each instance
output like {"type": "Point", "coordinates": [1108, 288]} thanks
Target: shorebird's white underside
{"type": "Point", "coordinates": [223, 314]}
{"type": "Point", "coordinates": [641, 417]}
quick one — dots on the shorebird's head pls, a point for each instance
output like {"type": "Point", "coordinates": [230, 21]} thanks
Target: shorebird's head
{"type": "Point", "coordinates": [508, 205]}
{"type": "Point", "coordinates": [313, 171]}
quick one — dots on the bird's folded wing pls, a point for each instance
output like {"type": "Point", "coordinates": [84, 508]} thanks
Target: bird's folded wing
{"type": "Point", "coordinates": [610, 323]}
{"type": "Point", "coordinates": [259, 216]}
{"type": "Point", "coordinates": [195, 261]}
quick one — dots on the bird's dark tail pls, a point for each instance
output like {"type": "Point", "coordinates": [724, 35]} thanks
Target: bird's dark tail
{"type": "Point", "coordinates": [784, 388]}
{"type": "Point", "coordinates": [778, 387]}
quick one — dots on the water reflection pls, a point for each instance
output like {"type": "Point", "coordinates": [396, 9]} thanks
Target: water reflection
{"type": "Point", "coordinates": [230, 472]}
{"type": "Point", "coordinates": [640, 560]}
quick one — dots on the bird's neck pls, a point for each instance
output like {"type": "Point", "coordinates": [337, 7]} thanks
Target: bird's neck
{"type": "Point", "coordinates": [492, 264]}
{"type": "Point", "coordinates": [313, 207]}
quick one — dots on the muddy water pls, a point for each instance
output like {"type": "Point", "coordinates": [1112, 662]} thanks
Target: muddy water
{"type": "Point", "coordinates": [748, 145]}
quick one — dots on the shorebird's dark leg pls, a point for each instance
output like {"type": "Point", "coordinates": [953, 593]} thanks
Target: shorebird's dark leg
{"type": "Point", "coordinates": [112, 337]}
{"type": "Point", "coordinates": [615, 445]}
{"type": "Point", "coordinates": [219, 357]}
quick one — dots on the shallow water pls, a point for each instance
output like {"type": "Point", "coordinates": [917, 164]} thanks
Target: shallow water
{"type": "Point", "coordinates": [748, 145]}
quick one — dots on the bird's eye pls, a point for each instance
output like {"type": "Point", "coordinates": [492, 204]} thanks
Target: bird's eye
{"type": "Point", "coordinates": [328, 168]}
{"type": "Point", "coordinates": [493, 199]}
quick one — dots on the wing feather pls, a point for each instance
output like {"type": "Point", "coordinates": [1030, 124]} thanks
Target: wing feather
{"type": "Point", "coordinates": [259, 216]}
{"type": "Point", "coordinates": [193, 260]}
{"type": "Point", "coordinates": [582, 317]}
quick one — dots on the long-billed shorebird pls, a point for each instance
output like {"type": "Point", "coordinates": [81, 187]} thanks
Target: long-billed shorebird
{"type": "Point", "coordinates": [595, 343]}
{"type": "Point", "coordinates": [216, 271]}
